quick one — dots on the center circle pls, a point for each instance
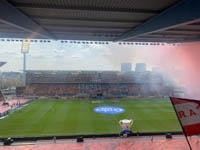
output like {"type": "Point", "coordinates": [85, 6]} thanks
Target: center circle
{"type": "Point", "coordinates": [109, 110]}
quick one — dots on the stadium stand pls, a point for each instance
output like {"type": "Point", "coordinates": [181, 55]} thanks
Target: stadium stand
{"type": "Point", "coordinates": [87, 84]}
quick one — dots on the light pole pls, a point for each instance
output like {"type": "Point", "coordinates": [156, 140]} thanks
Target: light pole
{"type": "Point", "coordinates": [25, 50]}
{"type": "Point", "coordinates": [24, 69]}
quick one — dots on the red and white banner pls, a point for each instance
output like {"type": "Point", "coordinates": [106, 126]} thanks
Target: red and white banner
{"type": "Point", "coordinates": [188, 112]}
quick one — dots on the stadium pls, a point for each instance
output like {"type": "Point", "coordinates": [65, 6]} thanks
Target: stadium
{"type": "Point", "coordinates": [99, 105]}
{"type": "Point", "coordinates": [92, 89]}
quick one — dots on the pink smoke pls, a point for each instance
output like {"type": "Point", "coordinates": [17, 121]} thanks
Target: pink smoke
{"type": "Point", "coordinates": [182, 63]}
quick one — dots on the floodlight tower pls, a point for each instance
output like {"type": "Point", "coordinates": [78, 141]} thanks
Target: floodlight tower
{"type": "Point", "coordinates": [25, 50]}
{"type": "Point", "coordinates": [1, 78]}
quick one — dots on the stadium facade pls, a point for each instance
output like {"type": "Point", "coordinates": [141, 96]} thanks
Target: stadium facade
{"type": "Point", "coordinates": [2, 63]}
{"type": "Point", "coordinates": [90, 84]}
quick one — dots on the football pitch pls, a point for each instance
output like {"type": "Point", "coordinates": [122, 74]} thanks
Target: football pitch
{"type": "Point", "coordinates": [77, 117]}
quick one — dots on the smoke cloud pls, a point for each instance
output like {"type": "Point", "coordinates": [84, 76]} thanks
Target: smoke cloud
{"type": "Point", "coordinates": [180, 62]}
{"type": "Point", "coordinates": [183, 64]}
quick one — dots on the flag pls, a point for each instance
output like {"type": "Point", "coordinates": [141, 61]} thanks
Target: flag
{"type": "Point", "coordinates": [188, 113]}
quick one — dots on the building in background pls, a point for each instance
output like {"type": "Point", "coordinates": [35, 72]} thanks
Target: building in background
{"type": "Point", "coordinates": [156, 70]}
{"type": "Point", "coordinates": [140, 67]}
{"type": "Point", "coordinates": [126, 67]}
{"type": "Point", "coordinates": [10, 79]}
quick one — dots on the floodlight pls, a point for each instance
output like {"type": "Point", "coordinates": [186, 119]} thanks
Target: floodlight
{"type": "Point", "coordinates": [25, 46]}
{"type": "Point", "coordinates": [8, 141]}
{"type": "Point", "coordinates": [80, 139]}
{"type": "Point", "coordinates": [168, 136]}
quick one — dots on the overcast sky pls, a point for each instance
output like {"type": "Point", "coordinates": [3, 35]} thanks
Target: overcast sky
{"type": "Point", "coordinates": [65, 56]}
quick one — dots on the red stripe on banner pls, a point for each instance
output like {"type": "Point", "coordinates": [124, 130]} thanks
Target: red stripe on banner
{"type": "Point", "coordinates": [178, 100]}
{"type": "Point", "coordinates": [192, 129]}
{"type": "Point", "coordinates": [183, 100]}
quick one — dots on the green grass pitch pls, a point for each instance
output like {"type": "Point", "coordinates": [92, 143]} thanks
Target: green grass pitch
{"type": "Point", "coordinates": [75, 117]}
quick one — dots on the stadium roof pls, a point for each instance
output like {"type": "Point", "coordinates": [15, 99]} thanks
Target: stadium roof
{"type": "Point", "coordinates": [102, 20]}
{"type": "Point", "coordinates": [2, 63]}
